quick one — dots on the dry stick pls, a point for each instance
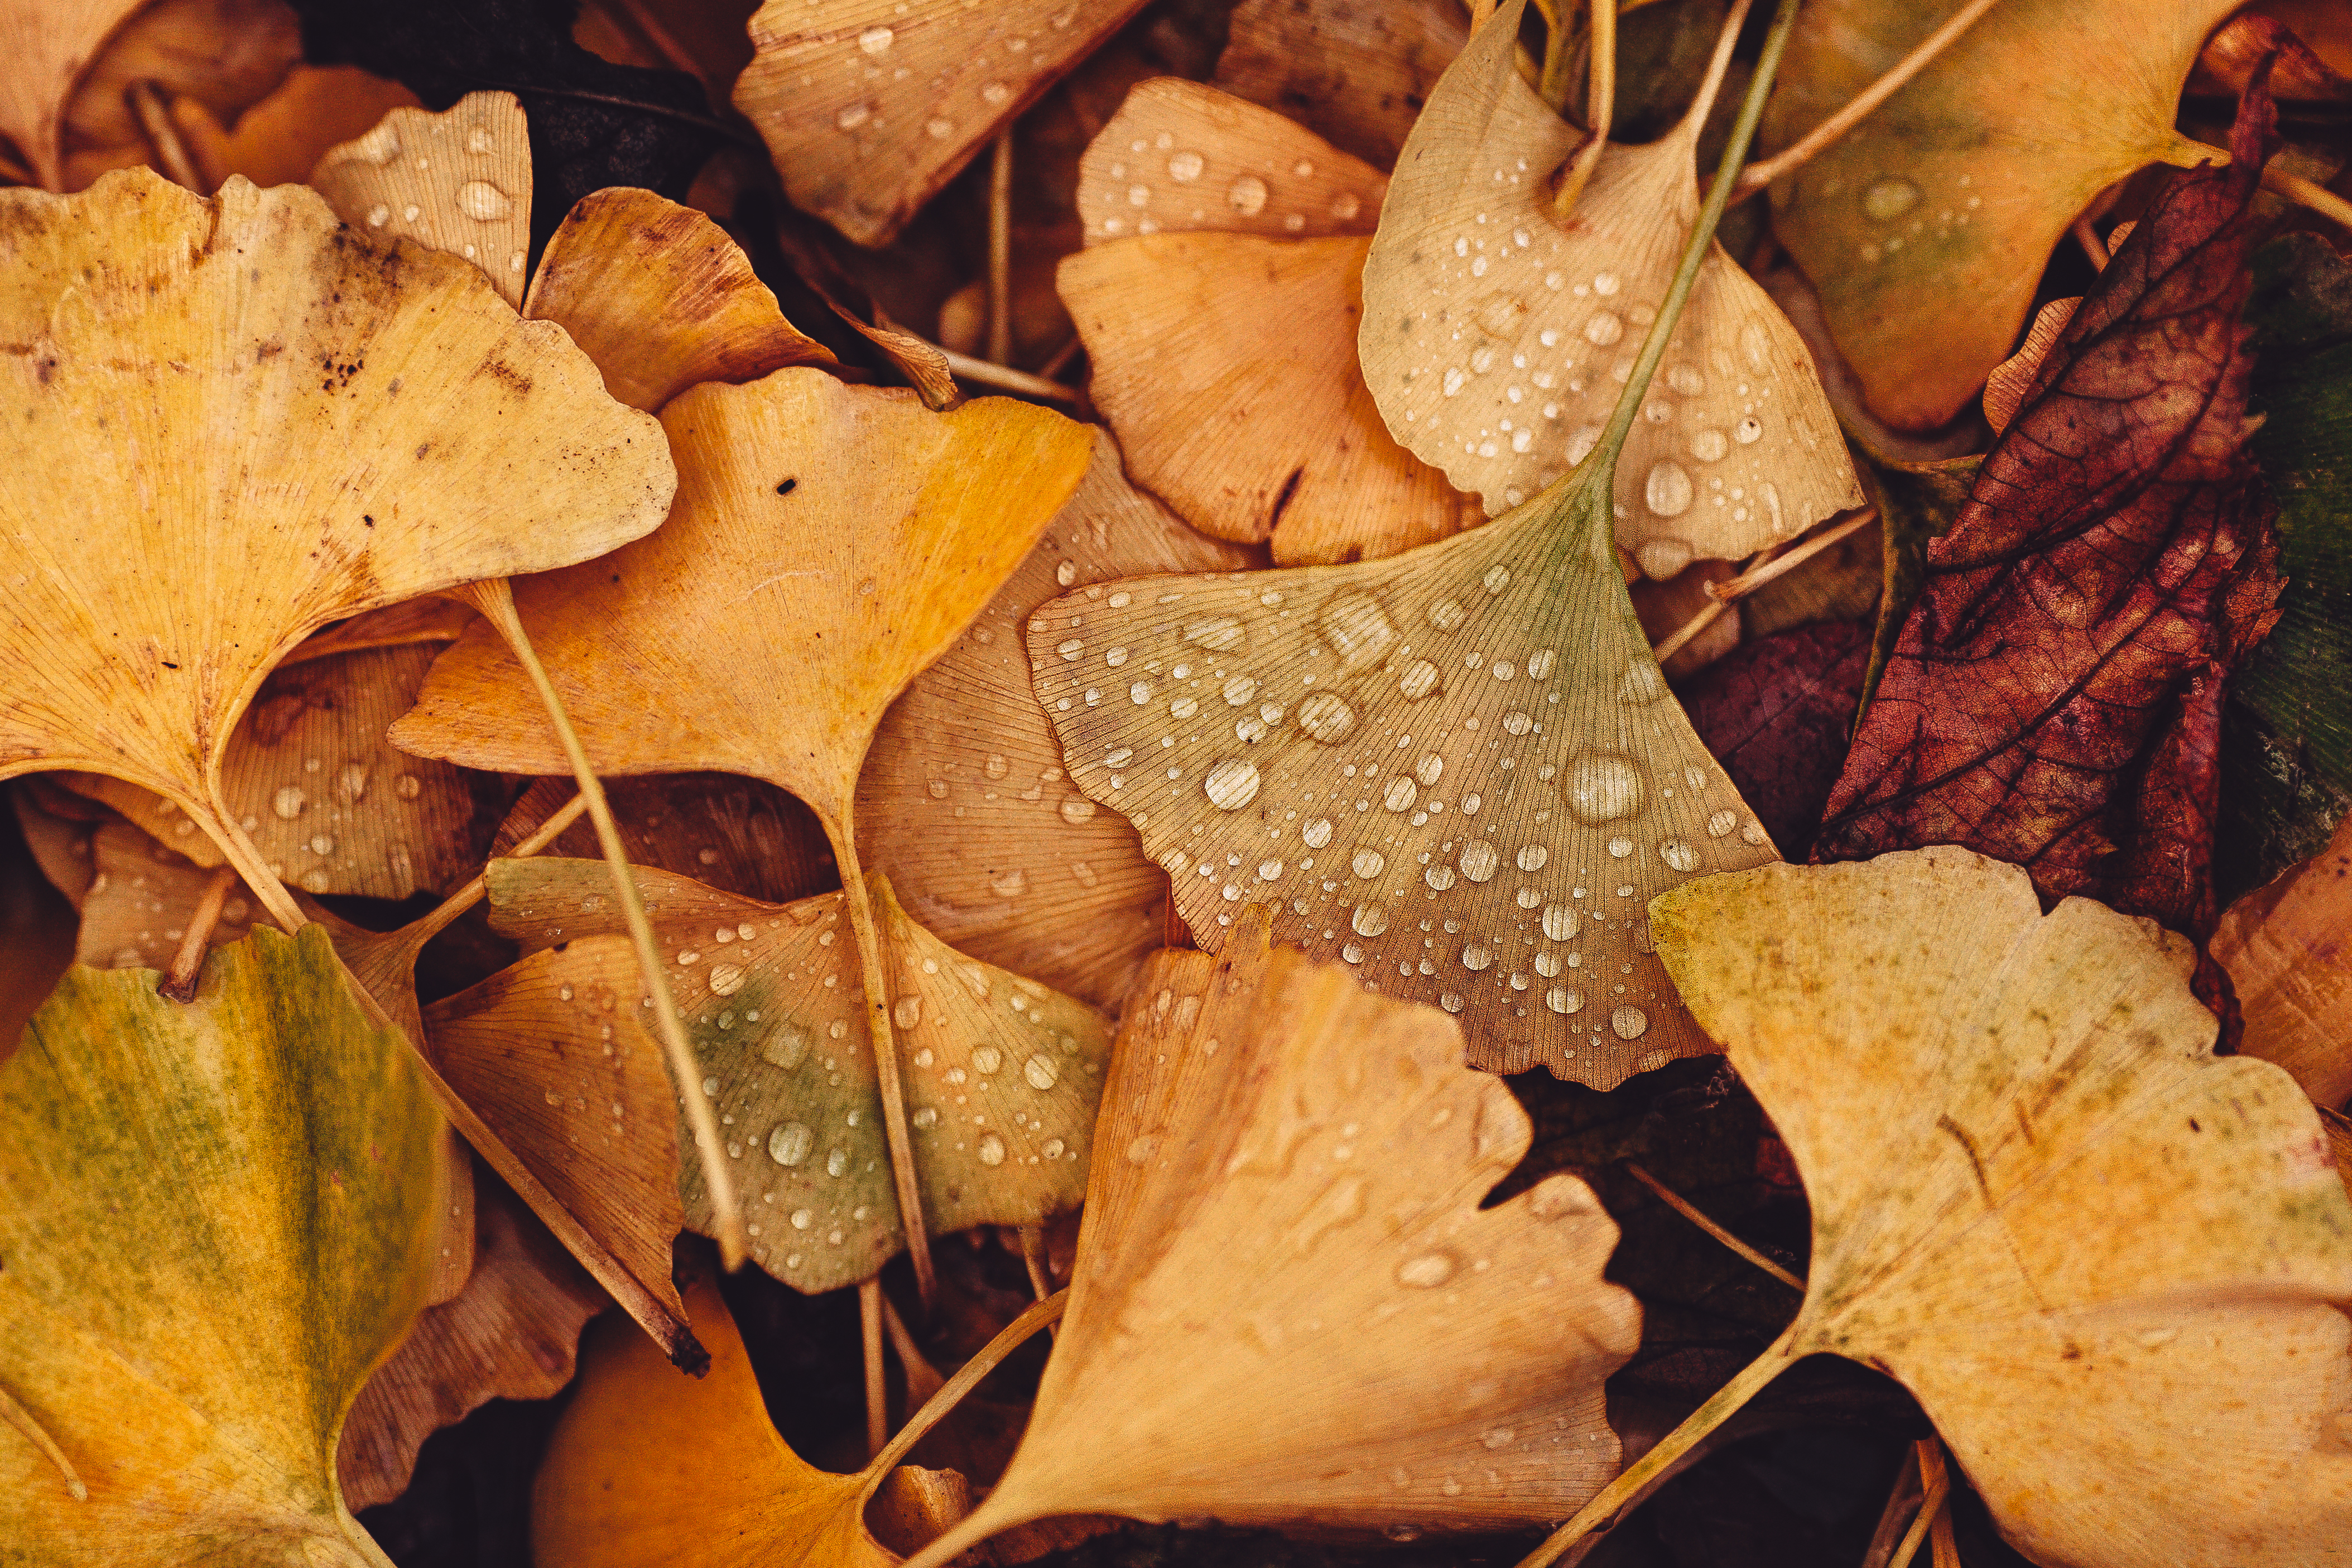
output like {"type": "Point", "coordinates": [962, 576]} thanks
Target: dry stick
{"type": "Point", "coordinates": [1901, 1501]}
{"type": "Point", "coordinates": [1683, 1206]}
{"type": "Point", "coordinates": [1006, 377]}
{"type": "Point", "coordinates": [179, 982]}
{"type": "Point", "coordinates": [869, 1325]}
{"type": "Point", "coordinates": [1938, 1482]}
{"type": "Point", "coordinates": [17, 1415]}
{"type": "Point", "coordinates": [2185, 154]}
{"type": "Point", "coordinates": [154, 118]}
{"type": "Point", "coordinates": [1734, 589]}
{"type": "Point", "coordinates": [1599, 106]}
{"type": "Point", "coordinates": [1764, 170]}
{"type": "Point", "coordinates": [884, 1041]}
{"type": "Point", "coordinates": [1941, 1539]}
{"type": "Point", "coordinates": [1000, 249]}
{"type": "Point", "coordinates": [923, 1379]}
{"type": "Point", "coordinates": [1010, 1338]}
{"type": "Point", "coordinates": [2088, 238]}
{"type": "Point", "coordinates": [1053, 368]}
{"type": "Point", "coordinates": [1033, 1254]}
{"type": "Point", "coordinates": [495, 601]}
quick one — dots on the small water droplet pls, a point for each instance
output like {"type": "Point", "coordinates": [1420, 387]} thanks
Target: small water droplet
{"type": "Point", "coordinates": [854, 116]}
{"type": "Point", "coordinates": [1009, 884]}
{"type": "Point", "coordinates": [1184, 167]}
{"type": "Point", "coordinates": [1427, 1271]}
{"type": "Point", "coordinates": [407, 786]}
{"type": "Point", "coordinates": [1077, 808]}
{"type": "Point", "coordinates": [1326, 718]}
{"type": "Point", "coordinates": [1317, 833]}
{"type": "Point", "coordinates": [483, 202]}
{"type": "Point", "coordinates": [1603, 328]}
{"type": "Point", "coordinates": [1721, 822]}
{"type": "Point", "coordinates": [1890, 198]}
{"type": "Point", "coordinates": [875, 40]}
{"type": "Point", "coordinates": [1247, 196]}
{"type": "Point", "coordinates": [1041, 1072]}
{"type": "Point", "coordinates": [992, 1150]}
{"type": "Point", "coordinates": [790, 1143]}
{"type": "Point", "coordinates": [286, 802]}
{"type": "Point", "coordinates": [836, 1162]}
{"type": "Point", "coordinates": [908, 1012]}
{"type": "Point", "coordinates": [1678, 854]}
{"type": "Point", "coordinates": [1602, 788]}
{"type": "Point", "coordinates": [1747, 430]}
{"type": "Point", "coordinates": [1630, 1022]}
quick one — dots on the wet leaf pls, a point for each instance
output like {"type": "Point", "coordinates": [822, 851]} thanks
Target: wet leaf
{"type": "Point", "coordinates": [1924, 226]}
{"type": "Point", "coordinates": [1776, 713]}
{"type": "Point", "coordinates": [2101, 1247]}
{"type": "Point", "coordinates": [868, 108]}
{"type": "Point", "coordinates": [1250, 434]}
{"type": "Point", "coordinates": [647, 1466]}
{"type": "Point", "coordinates": [512, 1333]}
{"type": "Point", "coordinates": [1496, 337]}
{"type": "Point", "coordinates": [280, 140]}
{"type": "Point", "coordinates": [738, 834]}
{"type": "Point", "coordinates": [135, 909]}
{"type": "Point", "coordinates": [107, 674]}
{"type": "Point", "coordinates": [2288, 950]}
{"type": "Point", "coordinates": [965, 802]}
{"type": "Point", "coordinates": [2054, 697]}
{"type": "Point", "coordinates": [459, 181]}
{"type": "Point", "coordinates": [1002, 1075]}
{"type": "Point", "coordinates": [1355, 72]}
{"type": "Point", "coordinates": [1286, 1223]}
{"type": "Point", "coordinates": [216, 1219]}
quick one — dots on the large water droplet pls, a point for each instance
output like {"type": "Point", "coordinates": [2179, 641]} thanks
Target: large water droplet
{"type": "Point", "coordinates": [286, 802]}
{"type": "Point", "coordinates": [1326, 718]}
{"type": "Point", "coordinates": [1358, 628]}
{"type": "Point", "coordinates": [1419, 679]}
{"type": "Point", "coordinates": [1041, 1072]}
{"type": "Point", "coordinates": [875, 40]}
{"type": "Point", "coordinates": [1368, 864]}
{"type": "Point", "coordinates": [1231, 784]}
{"type": "Point", "coordinates": [1427, 1271]}
{"type": "Point", "coordinates": [1667, 490]}
{"type": "Point", "coordinates": [1369, 919]}
{"type": "Point", "coordinates": [483, 202]}
{"type": "Point", "coordinates": [1890, 198]}
{"type": "Point", "coordinates": [992, 1149]}
{"type": "Point", "coordinates": [1247, 195]}
{"type": "Point", "coordinates": [790, 1143]}
{"type": "Point", "coordinates": [1479, 860]}
{"type": "Point", "coordinates": [1678, 854]}
{"type": "Point", "coordinates": [1630, 1022]}
{"type": "Point", "coordinates": [907, 1013]}
{"type": "Point", "coordinates": [1559, 922]}
{"type": "Point", "coordinates": [1317, 833]}
{"type": "Point", "coordinates": [725, 979]}
{"type": "Point", "coordinates": [1077, 808]}
{"type": "Point", "coordinates": [1604, 788]}
{"type": "Point", "coordinates": [1215, 633]}
{"type": "Point", "coordinates": [853, 116]}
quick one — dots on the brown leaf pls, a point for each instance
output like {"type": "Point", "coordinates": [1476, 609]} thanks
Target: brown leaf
{"type": "Point", "coordinates": [740, 835]}
{"type": "Point", "coordinates": [1355, 72]}
{"type": "Point", "coordinates": [2288, 950]}
{"type": "Point", "coordinates": [1776, 715]}
{"type": "Point", "coordinates": [2054, 698]}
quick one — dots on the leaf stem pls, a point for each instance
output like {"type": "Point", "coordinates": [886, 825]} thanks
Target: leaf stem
{"type": "Point", "coordinates": [1600, 108]}
{"type": "Point", "coordinates": [1551, 80]}
{"type": "Point", "coordinates": [877, 1393]}
{"type": "Point", "coordinates": [1734, 589]}
{"type": "Point", "coordinates": [1764, 170]}
{"type": "Point", "coordinates": [1938, 1480]}
{"type": "Point", "coordinates": [17, 1415]}
{"type": "Point", "coordinates": [1000, 249]}
{"type": "Point", "coordinates": [179, 982]}
{"type": "Point", "coordinates": [884, 1041]}
{"type": "Point", "coordinates": [1749, 1382]}
{"type": "Point", "coordinates": [241, 853]}
{"type": "Point", "coordinates": [1691, 1212]}
{"type": "Point", "coordinates": [495, 600]}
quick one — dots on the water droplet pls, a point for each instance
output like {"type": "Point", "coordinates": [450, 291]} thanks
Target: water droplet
{"type": "Point", "coordinates": [1620, 847]}
{"type": "Point", "coordinates": [1630, 1022]}
{"type": "Point", "coordinates": [1368, 864]}
{"type": "Point", "coordinates": [1747, 430]}
{"type": "Point", "coordinates": [1479, 860]}
{"type": "Point", "coordinates": [1358, 628]}
{"type": "Point", "coordinates": [1009, 884]}
{"type": "Point", "coordinates": [1475, 957]}
{"type": "Point", "coordinates": [786, 1045]}
{"type": "Point", "coordinates": [1532, 857]}
{"type": "Point", "coordinates": [1603, 328]}
{"type": "Point", "coordinates": [320, 844]}
{"type": "Point", "coordinates": [854, 116]}
{"type": "Point", "coordinates": [1678, 854]}
{"type": "Point", "coordinates": [1400, 795]}
{"type": "Point", "coordinates": [1602, 788]}
{"type": "Point", "coordinates": [1231, 784]}
{"type": "Point", "coordinates": [1041, 1072]}
{"type": "Point", "coordinates": [1439, 878]}
{"type": "Point", "coordinates": [1430, 768]}
{"type": "Point", "coordinates": [380, 145]}
{"type": "Point", "coordinates": [938, 128]}
{"type": "Point", "coordinates": [875, 40]}
{"type": "Point", "coordinates": [1369, 919]}
{"type": "Point", "coordinates": [1427, 1271]}
{"type": "Point", "coordinates": [1217, 634]}
{"type": "Point", "coordinates": [790, 1143]}
{"type": "Point", "coordinates": [725, 979]}
{"type": "Point", "coordinates": [1317, 833]}
{"type": "Point", "coordinates": [1686, 381]}
{"type": "Point", "coordinates": [992, 1150]}
{"type": "Point", "coordinates": [1754, 833]}
{"type": "Point", "coordinates": [994, 93]}
{"type": "Point", "coordinates": [1247, 195]}
{"type": "Point", "coordinates": [907, 1013]}
{"type": "Point", "coordinates": [1500, 314]}
{"type": "Point", "coordinates": [1889, 199]}
{"type": "Point", "coordinates": [1326, 718]}
{"type": "Point", "coordinates": [378, 216]}
{"type": "Point", "coordinates": [483, 202]}
{"type": "Point", "coordinates": [1560, 999]}
{"type": "Point", "coordinates": [1345, 206]}
{"type": "Point", "coordinates": [1420, 679]}
{"type": "Point", "coordinates": [836, 1162]}
{"type": "Point", "coordinates": [1184, 167]}
{"type": "Point", "coordinates": [286, 802]}
{"type": "Point", "coordinates": [1077, 808]}
{"type": "Point", "coordinates": [1667, 490]}
{"type": "Point", "coordinates": [1559, 922]}
{"type": "Point", "coordinates": [1516, 723]}
{"type": "Point", "coordinates": [1721, 822]}
{"type": "Point", "coordinates": [1709, 444]}
{"type": "Point", "coordinates": [987, 1060]}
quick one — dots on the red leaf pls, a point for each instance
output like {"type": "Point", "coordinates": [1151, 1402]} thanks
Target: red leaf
{"type": "Point", "coordinates": [2054, 698]}
{"type": "Point", "coordinates": [1775, 712]}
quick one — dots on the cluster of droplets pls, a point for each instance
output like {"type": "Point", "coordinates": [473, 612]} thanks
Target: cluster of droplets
{"type": "Point", "coordinates": [962, 95]}
{"type": "Point", "coordinates": [147, 906]}
{"type": "Point", "coordinates": [1160, 180]}
{"type": "Point", "coordinates": [1892, 207]}
{"type": "Point", "coordinates": [479, 200]}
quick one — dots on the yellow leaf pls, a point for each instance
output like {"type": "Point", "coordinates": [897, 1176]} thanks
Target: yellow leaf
{"type": "Point", "coordinates": [457, 181]}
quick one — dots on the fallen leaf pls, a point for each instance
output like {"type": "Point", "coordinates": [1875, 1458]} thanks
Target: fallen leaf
{"type": "Point", "coordinates": [219, 54]}
{"type": "Point", "coordinates": [427, 620]}
{"type": "Point", "coordinates": [280, 140]}
{"type": "Point", "coordinates": [1496, 336]}
{"type": "Point", "coordinates": [1355, 72]}
{"type": "Point", "coordinates": [135, 909]}
{"type": "Point", "coordinates": [1777, 714]}
{"type": "Point", "coordinates": [592, 123]}
{"type": "Point", "coordinates": [964, 802]}
{"type": "Point", "coordinates": [661, 298]}
{"type": "Point", "coordinates": [1287, 1222]}
{"type": "Point", "coordinates": [738, 834]}
{"type": "Point", "coordinates": [2227, 62]}
{"type": "Point", "coordinates": [1251, 432]}
{"type": "Point", "coordinates": [105, 673]}
{"type": "Point", "coordinates": [1002, 1075]}
{"type": "Point", "coordinates": [648, 1466]}
{"type": "Point", "coordinates": [512, 1333]}
{"type": "Point", "coordinates": [328, 804]}
{"type": "Point", "coordinates": [2102, 1247]}
{"type": "Point", "coordinates": [870, 531]}
{"type": "Point", "coordinates": [216, 1220]}
{"type": "Point", "coordinates": [1842, 583]}
{"type": "Point", "coordinates": [459, 181]}
{"type": "Point", "coordinates": [2054, 698]}
{"type": "Point", "coordinates": [48, 45]}
{"type": "Point", "coordinates": [2288, 950]}
{"type": "Point", "coordinates": [1925, 227]}
{"type": "Point", "coordinates": [1665, 608]}
{"type": "Point", "coordinates": [868, 110]}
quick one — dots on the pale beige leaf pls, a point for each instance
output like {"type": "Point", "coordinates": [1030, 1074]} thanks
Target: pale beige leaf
{"type": "Point", "coordinates": [457, 181]}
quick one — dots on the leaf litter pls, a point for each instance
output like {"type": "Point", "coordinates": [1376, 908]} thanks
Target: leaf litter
{"type": "Point", "coordinates": [2097, 1245]}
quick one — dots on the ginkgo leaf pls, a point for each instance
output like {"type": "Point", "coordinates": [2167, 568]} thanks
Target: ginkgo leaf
{"type": "Point", "coordinates": [426, 620]}
{"type": "Point", "coordinates": [48, 45]}
{"type": "Point", "coordinates": [1223, 349]}
{"type": "Point", "coordinates": [660, 298]}
{"type": "Point", "coordinates": [1925, 227]}
{"type": "Point", "coordinates": [1495, 337]}
{"type": "Point", "coordinates": [1355, 72]}
{"type": "Point", "coordinates": [1005, 1077]}
{"type": "Point", "coordinates": [2288, 950]}
{"type": "Point", "coordinates": [280, 140]}
{"type": "Point", "coordinates": [868, 108]}
{"type": "Point", "coordinates": [2102, 1246]}
{"type": "Point", "coordinates": [829, 542]}
{"type": "Point", "coordinates": [266, 424]}
{"type": "Point", "coordinates": [459, 181]}
{"type": "Point", "coordinates": [512, 1333]}
{"type": "Point", "coordinates": [214, 1216]}
{"type": "Point", "coordinates": [964, 802]}
{"type": "Point", "coordinates": [740, 835]}
{"type": "Point", "coordinates": [1286, 1222]}
{"type": "Point", "coordinates": [134, 911]}
{"type": "Point", "coordinates": [648, 1466]}
{"type": "Point", "coordinates": [216, 55]}
{"type": "Point", "coordinates": [327, 802]}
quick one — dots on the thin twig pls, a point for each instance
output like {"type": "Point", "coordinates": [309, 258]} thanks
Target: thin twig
{"type": "Point", "coordinates": [1010, 1338]}
{"type": "Point", "coordinates": [1600, 106]}
{"type": "Point", "coordinates": [1033, 1254]}
{"type": "Point", "coordinates": [1731, 590]}
{"type": "Point", "coordinates": [17, 1415]}
{"type": "Point", "coordinates": [870, 1324]}
{"type": "Point", "coordinates": [1683, 635]}
{"type": "Point", "coordinates": [1005, 376]}
{"type": "Point", "coordinates": [2088, 238]}
{"type": "Point", "coordinates": [1901, 1501]}
{"type": "Point", "coordinates": [1000, 250]}
{"type": "Point", "coordinates": [1764, 170]}
{"type": "Point", "coordinates": [1053, 368]}
{"type": "Point", "coordinates": [179, 981]}
{"type": "Point", "coordinates": [923, 1379]}
{"type": "Point", "coordinates": [1684, 1208]}
{"type": "Point", "coordinates": [154, 118]}
{"type": "Point", "coordinates": [1938, 1485]}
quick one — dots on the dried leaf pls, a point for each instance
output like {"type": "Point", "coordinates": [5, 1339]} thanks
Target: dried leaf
{"type": "Point", "coordinates": [280, 140]}
{"type": "Point", "coordinates": [2055, 696]}
{"type": "Point", "coordinates": [510, 1335]}
{"type": "Point", "coordinates": [459, 181]}
{"type": "Point", "coordinates": [48, 45]}
{"type": "Point", "coordinates": [1250, 434]}
{"type": "Point", "coordinates": [1777, 714]}
{"type": "Point", "coordinates": [1355, 72]}
{"type": "Point", "coordinates": [217, 1219]}
{"type": "Point", "coordinates": [135, 909]}
{"type": "Point", "coordinates": [1287, 1222]}
{"type": "Point", "coordinates": [2102, 1247]}
{"type": "Point", "coordinates": [1926, 226]}
{"type": "Point", "coordinates": [133, 378]}
{"type": "Point", "coordinates": [2288, 950]}
{"type": "Point", "coordinates": [1496, 337]}
{"type": "Point", "coordinates": [964, 802]}
{"type": "Point", "coordinates": [1003, 1076]}
{"type": "Point", "coordinates": [868, 108]}
{"type": "Point", "coordinates": [1665, 607]}
{"type": "Point", "coordinates": [649, 1467]}
{"type": "Point", "coordinates": [738, 834]}
{"type": "Point", "coordinates": [216, 55]}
